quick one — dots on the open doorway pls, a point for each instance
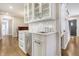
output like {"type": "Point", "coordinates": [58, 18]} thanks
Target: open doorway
{"type": "Point", "coordinates": [73, 27]}
{"type": "Point", "coordinates": [6, 27]}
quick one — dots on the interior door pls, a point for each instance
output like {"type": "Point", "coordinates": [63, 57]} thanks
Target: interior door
{"type": "Point", "coordinates": [73, 27]}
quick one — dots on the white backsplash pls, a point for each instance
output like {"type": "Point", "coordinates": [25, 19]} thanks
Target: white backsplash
{"type": "Point", "coordinates": [46, 26]}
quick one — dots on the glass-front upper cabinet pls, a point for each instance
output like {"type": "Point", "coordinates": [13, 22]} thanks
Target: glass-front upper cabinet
{"type": "Point", "coordinates": [30, 11]}
{"type": "Point", "coordinates": [45, 9]}
{"type": "Point", "coordinates": [37, 10]}
{"type": "Point", "coordinates": [48, 10]}
{"type": "Point", "coordinates": [28, 8]}
{"type": "Point", "coordinates": [40, 11]}
{"type": "Point", "coordinates": [26, 18]}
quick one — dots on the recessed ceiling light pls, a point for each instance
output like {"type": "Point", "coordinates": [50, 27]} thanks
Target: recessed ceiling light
{"type": "Point", "coordinates": [10, 7]}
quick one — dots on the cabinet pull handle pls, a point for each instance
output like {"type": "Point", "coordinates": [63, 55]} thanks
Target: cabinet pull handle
{"type": "Point", "coordinates": [37, 42]}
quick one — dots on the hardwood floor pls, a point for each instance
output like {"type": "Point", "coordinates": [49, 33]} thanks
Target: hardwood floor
{"type": "Point", "coordinates": [72, 48]}
{"type": "Point", "coordinates": [9, 47]}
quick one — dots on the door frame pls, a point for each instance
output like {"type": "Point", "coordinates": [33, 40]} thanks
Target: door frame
{"type": "Point", "coordinates": [9, 18]}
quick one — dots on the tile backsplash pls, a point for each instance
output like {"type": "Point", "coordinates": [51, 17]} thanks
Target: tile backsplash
{"type": "Point", "coordinates": [46, 26]}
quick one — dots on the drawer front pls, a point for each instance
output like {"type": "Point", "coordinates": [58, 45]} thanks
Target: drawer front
{"type": "Point", "coordinates": [22, 37]}
{"type": "Point", "coordinates": [22, 45]}
{"type": "Point", "coordinates": [38, 37]}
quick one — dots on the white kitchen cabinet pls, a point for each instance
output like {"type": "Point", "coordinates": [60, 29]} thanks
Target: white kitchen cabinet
{"type": "Point", "coordinates": [40, 11]}
{"type": "Point", "coordinates": [48, 11]}
{"type": "Point", "coordinates": [37, 12]}
{"type": "Point", "coordinates": [26, 16]}
{"type": "Point", "coordinates": [24, 38]}
{"type": "Point", "coordinates": [28, 10]}
{"type": "Point", "coordinates": [44, 44]}
{"type": "Point", "coordinates": [43, 25]}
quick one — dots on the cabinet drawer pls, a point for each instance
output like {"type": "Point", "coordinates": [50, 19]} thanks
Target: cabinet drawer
{"type": "Point", "coordinates": [21, 34]}
{"type": "Point", "coordinates": [22, 44]}
{"type": "Point", "coordinates": [22, 37]}
{"type": "Point", "coordinates": [38, 37]}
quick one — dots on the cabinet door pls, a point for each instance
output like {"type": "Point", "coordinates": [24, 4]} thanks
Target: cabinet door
{"type": "Point", "coordinates": [51, 45]}
{"type": "Point", "coordinates": [46, 9]}
{"type": "Point", "coordinates": [30, 11]}
{"type": "Point", "coordinates": [37, 13]}
{"type": "Point", "coordinates": [22, 46]}
{"type": "Point", "coordinates": [38, 46]}
{"type": "Point", "coordinates": [26, 11]}
{"type": "Point", "coordinates": [21, 36]}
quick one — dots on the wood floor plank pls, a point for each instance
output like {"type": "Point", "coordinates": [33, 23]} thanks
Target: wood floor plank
{"type": "Point", "coordinates": [9, 47]}
{"type": "Point", "coordinates": [72, 48]}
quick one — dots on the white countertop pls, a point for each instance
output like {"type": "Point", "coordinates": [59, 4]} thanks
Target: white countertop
{"type": "Point", "coordinates": [48, 33]}
{"type": "Point", "coordinates": [44, 33]}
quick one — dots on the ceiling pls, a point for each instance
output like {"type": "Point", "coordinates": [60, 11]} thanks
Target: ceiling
{"type": "Point", "coordinates": [73, 9]}
{"type": "Point", "coordinates": [17, 10]}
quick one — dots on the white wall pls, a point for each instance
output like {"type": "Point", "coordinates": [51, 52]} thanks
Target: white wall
{"type": "Point", "coordinates": [16, 22]}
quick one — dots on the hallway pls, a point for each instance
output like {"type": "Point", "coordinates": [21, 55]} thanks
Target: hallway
{"type": "Point", "coordinates": [9, 47]}
{"type": "Point", "coordinates": [72, 48]}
